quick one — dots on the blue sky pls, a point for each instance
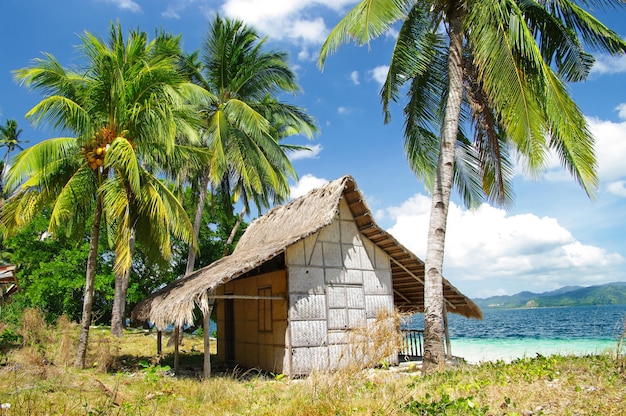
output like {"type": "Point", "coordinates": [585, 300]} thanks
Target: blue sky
{"type": "Point", "coordinates": [551, 237]}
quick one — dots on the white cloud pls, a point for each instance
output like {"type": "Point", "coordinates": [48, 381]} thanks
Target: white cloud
{"type": "Point", "coordinates": [607, 64]}
{"type": "Point", "coordinates": [171, 13]}
{"type": "Point", "coordinates": [354, 77]}
{"type": "Point", "coordinates": [379, 74]}
{"type": "Point", "coordinates": [343, 110]}
{"type": "Point", "coordinates": [617, 188]}
{"type": "Point", "coordinates": [610, 148]}
{"type": "Point", "coordinates": [285, 19]}
{"type": "Point", "coordinates": [621, 111]}
{"type": "Point", "coordinates": [305, 55]}
{"type": "Point", "coordinates": [307, 183]}
{"type": "Point", "coordinates": [392, 33]}
{"type": "Point", "coordinates": [126, 5]}
{"type": "Point", "coordinates": [175, 8]}
{"type": "Point", "coordinates": [306, 154]}
{"type": "Point", "coordinates": [490, 251]}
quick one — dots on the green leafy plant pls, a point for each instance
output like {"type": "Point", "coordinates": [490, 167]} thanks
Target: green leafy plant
{"type": "Point", "coordinates": [152, 373]}
{"type": "Point", "coordinates": [278, 376]}
{"type": "Point", "coordinates": [9, 337]}
{"type": "Point", "coordinates": [446, 406]}
{"type": "Point", "coordinates": [540, 367]}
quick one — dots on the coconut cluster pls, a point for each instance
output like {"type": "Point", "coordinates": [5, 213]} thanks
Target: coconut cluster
{"type": "Point", "coordinates": [96, 148]}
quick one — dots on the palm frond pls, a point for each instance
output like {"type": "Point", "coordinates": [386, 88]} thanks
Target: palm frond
{"type": "Point", "coordinates": [74, 202]}
{"type": "Point", "coordinates": [593, 32]}
{"type": "Point", "coordinates": [366, 21]}
{"type": "Point", "coordinates": [39, 159]}
{"type": "Point", "coordinates": [416, 50]}
{"type": "Point", "coordinates": [569, 135]}
{"type": "Point", "coordinates": [558, 44]}
{"type": "Point", "coordinates": [122, 157]}
{"type": "Point", "coordinates": [508, 64]}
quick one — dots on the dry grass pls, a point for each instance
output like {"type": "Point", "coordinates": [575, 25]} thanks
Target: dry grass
{"type": "Point", "coordinates": [125, 378]}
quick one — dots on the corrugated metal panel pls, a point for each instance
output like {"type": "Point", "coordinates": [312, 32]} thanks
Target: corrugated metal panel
{"type": "Point", "coordinates": [304, 360]}
{"type": "Point", "coordinates": [313, 251]}
{"type": "Point", "coordinates": [355, 298]}
{"type": "Point", "coordinates": [338, 356]}
{"type": "Point", "coordinates": [375, 303]}
{"type": "Point", "coordinates": [308, 333]}
{"type": "Point", "coordinates": [352, 256]}
{"type": "Point", "coordinates": [344, 211]}
{"type": "Point", "coordinates": [377, 282]}
{"type": "Point", "coordinates": [334, 275]}
{"type": "Point", "coordinates": [330, 232]}
{"type": "Point", "coordinates": [349, 233]}
{"type": "Point", "coordinates": [356, 318]}
{"type": "Point", "coordinates": [351, 276]}
{"type": "Point", "coordinates": [306, 280]}
{"type": "Point", "coordinates": [332, 254]}
{"type": "Point", "coordinates": [337, 337]}
{"type": "Point", "coordinates": [295, 254]}
{"type": "Point", "coordinates": [338, 319]}
{"type": "Point", "coordinates": [305, 307]}
{"type": "Point", "coordinates": [336, 296]}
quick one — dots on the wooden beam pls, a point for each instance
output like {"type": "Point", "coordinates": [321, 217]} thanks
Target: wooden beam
{"type": "Point", "coordinates": [247, 297]}
{"type": "Point", "coordinates": [407, 270]}
{"type": "Point", "coordinates": [418, 279]}
{"type": "Point", "coordinates": [402, 296]}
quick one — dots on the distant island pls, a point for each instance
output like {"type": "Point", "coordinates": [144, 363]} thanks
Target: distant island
{"type": "Point", "coordinates": [607, 294]}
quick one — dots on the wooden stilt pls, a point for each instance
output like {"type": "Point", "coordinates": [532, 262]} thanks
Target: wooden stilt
{"type": "Point", "coordinates": [206, 326]}
{"type": "Point", "coordinates": [447, 332]}
{"type": "Point", "coordinates": [159, 343]}
{"type": "Point", "coordinates": [176, 354]}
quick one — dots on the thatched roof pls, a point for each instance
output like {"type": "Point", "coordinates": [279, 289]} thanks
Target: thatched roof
{"type": "Point", "coordinates": [269, 236]}
{"type": "Point", "coordinates": [8, 281]}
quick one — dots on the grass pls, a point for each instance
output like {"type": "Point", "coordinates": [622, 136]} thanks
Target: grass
{"type": "Point", "coordinates": [125, 378]}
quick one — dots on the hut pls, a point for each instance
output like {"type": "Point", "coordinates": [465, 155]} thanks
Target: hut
{"type": "Point", "coordinates": [302, 277]}
{"type": "Point", "coordinates": [8, 282]}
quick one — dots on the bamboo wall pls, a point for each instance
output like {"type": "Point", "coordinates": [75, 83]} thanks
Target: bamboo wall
{"type": "Point", "coordinates": [258, 342]}
{"type": "Point", "coordinates": [338, 281]}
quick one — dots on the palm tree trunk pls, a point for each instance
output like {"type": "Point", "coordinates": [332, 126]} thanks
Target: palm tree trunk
{"type": "Point", "coordinates": [197, 221]}
{"type": "Point", "coordinates": [90, 275]}
{"type": "Point", "coordinates": [434, 356]}
{"type": "Point", "coordinates": [5, 166]}
{"type": "Point", "coordinates": [191, 260]}
{"type": "Point", "coordinates": [233, 232]}
{"type": "Point", "coordinates": [119, 298]}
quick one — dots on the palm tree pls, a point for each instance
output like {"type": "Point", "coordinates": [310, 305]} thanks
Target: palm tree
{"type": "Point", "coordinates": [244, 123]}
{"type": "Point", "coordinates": [9, 139]}
{"type": "Point", "coordinates": [128, 101]}
{"type": "Point", "coordinates": [504, 65]}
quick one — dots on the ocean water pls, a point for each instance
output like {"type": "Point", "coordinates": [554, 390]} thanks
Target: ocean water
{"type": "Point", "coordinates": [508, 334]}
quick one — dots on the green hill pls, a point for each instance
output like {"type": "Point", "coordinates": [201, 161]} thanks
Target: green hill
{"type": "Point", "coordinates": [607, 294]}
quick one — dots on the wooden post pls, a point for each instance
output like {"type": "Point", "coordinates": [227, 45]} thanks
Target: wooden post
{"type": "Point", "coordinates": [447, 332]}
{"type": "Point", "coordinates": [206, 324]}
{"type": "Point", "coordinates": [159, 343]}
{"type": "Point", "coordinates": [176, 341]}
{"type": "Point", "coordinates": [206, 321]}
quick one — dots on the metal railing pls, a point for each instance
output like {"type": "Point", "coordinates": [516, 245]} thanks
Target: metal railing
{"type": "Point", "coordinates": [413, 344]}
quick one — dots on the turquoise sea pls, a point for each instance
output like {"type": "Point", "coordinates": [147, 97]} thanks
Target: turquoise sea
{"type": "Point", "coordinates": [507, 334]}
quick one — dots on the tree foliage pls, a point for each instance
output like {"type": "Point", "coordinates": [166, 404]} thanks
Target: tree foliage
{"type": "Point", "coordinates": [499, 70]}
{"type": "Point", "coordinates": [51, 273]}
